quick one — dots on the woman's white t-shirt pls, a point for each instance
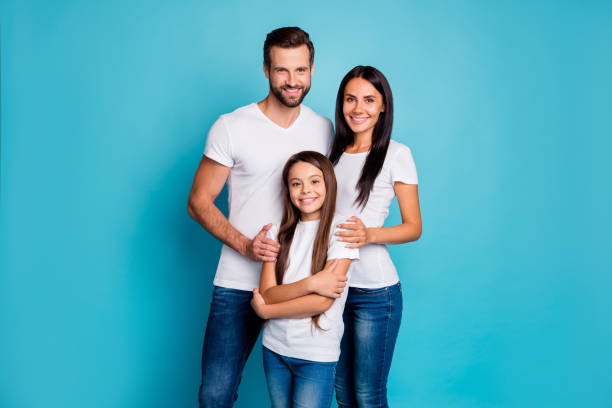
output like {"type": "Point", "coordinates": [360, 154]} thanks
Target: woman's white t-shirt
{"type": "Point", "coordinates": [299, 338]}
{"type": "Point", "coordinates": [374, 269]}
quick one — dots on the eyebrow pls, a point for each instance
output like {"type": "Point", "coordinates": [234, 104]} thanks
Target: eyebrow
{"type": "Point", "coordinates": [299, 179]}
{"type": "Point", "coordinates": [366, 96]}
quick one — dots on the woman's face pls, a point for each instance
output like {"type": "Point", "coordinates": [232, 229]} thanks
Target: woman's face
{"type": "Point", "coordinates": [306, 190]}
{"type": "Point", "coordinates": [362, 106]}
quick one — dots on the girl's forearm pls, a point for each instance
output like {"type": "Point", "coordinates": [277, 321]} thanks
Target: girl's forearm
{"type": "Point", "coordinates": [397, 234]}
{"type": "Point", "coordinates": [285, 292]}
{"type": "Point", "coordinates": [303, 306]}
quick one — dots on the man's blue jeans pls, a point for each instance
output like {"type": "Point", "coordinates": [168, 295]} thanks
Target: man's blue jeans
{"type": "Point", "coordinates": [296, 383]}
{"type": "Point", "coordinates": [231, 332]}
{"type": "Point", "coordinates": [371, 323]}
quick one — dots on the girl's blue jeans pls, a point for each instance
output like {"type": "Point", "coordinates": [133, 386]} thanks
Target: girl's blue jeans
{"type": "Point", "coordinates": [298, 383]}
{"type": "Point", "coordinates": [371, 323]}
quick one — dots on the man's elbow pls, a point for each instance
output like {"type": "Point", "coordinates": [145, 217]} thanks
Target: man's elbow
{"type": "Point", "coordinates": [195, 206]}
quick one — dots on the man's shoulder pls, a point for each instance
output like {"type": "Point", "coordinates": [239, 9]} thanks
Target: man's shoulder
{"type": "Point", "coordinates": [241, 112]}
{"type": "Point", "coordinates": [312, 115]}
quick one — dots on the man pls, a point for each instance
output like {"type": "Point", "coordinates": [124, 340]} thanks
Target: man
{"type": "Point", "coordinates": [248, 148]}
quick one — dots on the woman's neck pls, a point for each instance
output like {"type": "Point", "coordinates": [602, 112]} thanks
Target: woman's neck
{"type": "Point", "coordinates": [362, 142]}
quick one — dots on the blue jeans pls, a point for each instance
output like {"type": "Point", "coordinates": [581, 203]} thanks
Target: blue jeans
{"type": "Point", "coordinates": [231, 332]}
{"type": "Point", "coordinates": [298, 383]}
{"type": "Point", "coordinates": [371, 323]}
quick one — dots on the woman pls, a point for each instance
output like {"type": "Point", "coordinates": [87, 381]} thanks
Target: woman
{"type": "Point", "coordinates": [371, 170]}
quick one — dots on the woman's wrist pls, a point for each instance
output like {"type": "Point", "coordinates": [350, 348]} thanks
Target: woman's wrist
{"type": "Point", "coordinates": [371, 235]}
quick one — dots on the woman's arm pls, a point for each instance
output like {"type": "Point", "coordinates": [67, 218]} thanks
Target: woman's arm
{"type": "Point", "coordinates": [410, 229]}
{"type": "Point", "coordinates": [298, 307]}
{"type": "Point", "coordinates": [329, 282]}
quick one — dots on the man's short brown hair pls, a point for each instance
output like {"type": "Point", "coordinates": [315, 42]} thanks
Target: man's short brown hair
{"type": "Point", "coordinates": [287, 37]}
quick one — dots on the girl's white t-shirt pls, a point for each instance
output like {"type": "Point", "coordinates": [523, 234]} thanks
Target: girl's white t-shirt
{"type": "Point", "coordinates": [299, 338]}
{"type": "Point", "coordinates": [374, 269]}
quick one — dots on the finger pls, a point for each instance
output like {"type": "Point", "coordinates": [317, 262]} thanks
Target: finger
{"type": "Point", "coordinates": [266, 253]}
{"type": "Point", "coordinates": [348, 226]}
{"type": "Point", "coordinates": [355, 220]}
{"type": "Point", "coordinates": [358, 245]}
{"type": "Point", "coordinates": [269, 241]}
{"type": "Point", "coordinates": [351, 239]}
{"type": "Point", "coordinates": [267, 247]}
{"type": "Point", "coordinates": [350, 234]}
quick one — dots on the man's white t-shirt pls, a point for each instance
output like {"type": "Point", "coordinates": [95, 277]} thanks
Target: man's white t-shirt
{"type": "Point", "coordinates": [299, 338]}
{"type": "Point", "coordinates": [256, 149]}
{"type": "Point", "coordinates": [374, 269]}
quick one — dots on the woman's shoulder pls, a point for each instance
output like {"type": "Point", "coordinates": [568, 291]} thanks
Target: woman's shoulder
{"type": "Point", "coordinates": [396, 147]}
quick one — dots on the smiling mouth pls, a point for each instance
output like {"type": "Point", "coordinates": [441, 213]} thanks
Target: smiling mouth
{"type": "Point", "coordinates": [292, 91]}
{"type": "Point", "coordinates": [358, 120]}
{"type": "Point", "coordinates": [307, 201]}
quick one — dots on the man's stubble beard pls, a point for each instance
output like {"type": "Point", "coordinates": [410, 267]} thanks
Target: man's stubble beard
{"type": "Point", "coordinates": [290, 103]}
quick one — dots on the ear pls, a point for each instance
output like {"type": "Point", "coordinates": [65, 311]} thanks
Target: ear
{"type": "Point", "coordinates": [266, 70]}
{"type": "Point", "coordinates": [383, 108]}
{"type": "Point", "coordinates": [312, 69]}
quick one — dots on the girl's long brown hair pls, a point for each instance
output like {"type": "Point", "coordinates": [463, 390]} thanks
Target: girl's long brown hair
{"type": "Point", "coordinates": [291, 216]}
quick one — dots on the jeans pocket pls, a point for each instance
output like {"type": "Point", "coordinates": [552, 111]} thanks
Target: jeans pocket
{"type": "Point", "coordinates": [371, 292]}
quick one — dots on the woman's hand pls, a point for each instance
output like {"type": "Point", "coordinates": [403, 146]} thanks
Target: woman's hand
{"type": "Point", "coordinates": [259, 304]}
{"type": "Point", "coordinates": [329, 282]}
{"type": "Point", "coordinates": [356, 233]}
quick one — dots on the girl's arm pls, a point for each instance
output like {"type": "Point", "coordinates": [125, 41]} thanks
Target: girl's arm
{"type": "Point", "coordinates": [298, 307]}
{"type": "Point", "coordinates": [329, 282]}
{"type": "Point", "coordinates": [409, 230]}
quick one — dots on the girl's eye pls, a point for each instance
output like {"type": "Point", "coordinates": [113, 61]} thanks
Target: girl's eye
{"type": "Point", "coordinates": [295, 184]}
{"type": "Point", "coordinates": [315, 181]}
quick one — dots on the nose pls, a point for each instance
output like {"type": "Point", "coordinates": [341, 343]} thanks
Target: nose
{"type": "Point", "coordinates": [291, 78]}
{"type": "Point", "coordinates": [357, 107]}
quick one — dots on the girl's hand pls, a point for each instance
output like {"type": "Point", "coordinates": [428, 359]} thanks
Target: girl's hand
{"type": "Point", "coordinates": [329, 282]}
{"type": "Point", "coordinates": [357, 233]}
{"type": "Point", "coordinates": [259, 304]}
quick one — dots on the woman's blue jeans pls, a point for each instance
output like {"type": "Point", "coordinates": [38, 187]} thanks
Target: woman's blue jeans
{"type": "Point", "coordinates": [293, 382]}
{"type": "Point", "coordinates": [371, 323]}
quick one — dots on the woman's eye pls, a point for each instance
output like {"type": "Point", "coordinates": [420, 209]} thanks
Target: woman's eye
{"type": "Point", "coordinates": [315, 181]}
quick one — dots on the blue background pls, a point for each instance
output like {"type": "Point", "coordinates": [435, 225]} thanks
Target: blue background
{"type": "Point", "coordinates": [105, 281]}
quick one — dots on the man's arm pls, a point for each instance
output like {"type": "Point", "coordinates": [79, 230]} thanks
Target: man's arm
{"type": "Point", "coordinates": [207, 184]}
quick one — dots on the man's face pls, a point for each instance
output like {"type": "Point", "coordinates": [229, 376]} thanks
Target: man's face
{"type": "Point", "coordinates": [289, 74]}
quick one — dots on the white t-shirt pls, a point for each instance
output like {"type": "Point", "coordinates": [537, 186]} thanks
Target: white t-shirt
{"type": "Point", "coordinates": [374, 269]}
{"type": "Point", "coordinates": [299, 338]}
{"type": "Point", "coordinates": [256, 149]}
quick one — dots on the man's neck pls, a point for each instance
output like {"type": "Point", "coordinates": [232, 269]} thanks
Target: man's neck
{"type": "Point", "coordinates": [278, 113]}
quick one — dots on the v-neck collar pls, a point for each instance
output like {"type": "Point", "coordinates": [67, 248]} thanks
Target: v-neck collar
{"type": "Point", "coordinates": [275, 124]}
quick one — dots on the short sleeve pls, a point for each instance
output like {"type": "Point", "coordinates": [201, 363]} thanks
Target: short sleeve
{"type": "Point", "coordinates": [218, 144]}
{"type": "Point", "coordinates": [273, 232]}
{"type": "Point", "coordinates": [338, 250]}
{"type": "Point", "coordinates": [402, 167]}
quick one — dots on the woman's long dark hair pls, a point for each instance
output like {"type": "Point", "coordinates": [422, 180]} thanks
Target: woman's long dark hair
{"type": "Point", "coordinates": [380, 136]}
{"type": "Point", "coordinates": [291, 216]}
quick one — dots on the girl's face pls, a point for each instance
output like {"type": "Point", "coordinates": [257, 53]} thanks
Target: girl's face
{"type": "Point", "coordinates": [307, 190]}
{"type": "Point", "coordinates": [362, 106]}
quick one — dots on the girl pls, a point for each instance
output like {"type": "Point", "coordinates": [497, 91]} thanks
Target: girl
{"type": "Point", "coordinates": [372, 169]}
{"type": "Point", "coordinates": [301, 342]}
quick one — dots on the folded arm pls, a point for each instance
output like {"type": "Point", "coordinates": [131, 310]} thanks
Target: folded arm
{"type": "Point", "coordinates": [294, 300]}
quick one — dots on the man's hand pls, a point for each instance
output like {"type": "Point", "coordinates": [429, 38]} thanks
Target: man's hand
{"type": "Point", "coordinates": [261, 248]}
{"type": "Point", "coordinates": [258, 304]}
{"type": "Point", "coordinates": [356, 233]}
{"type": "Point", "coordinates": [329, 282]}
